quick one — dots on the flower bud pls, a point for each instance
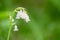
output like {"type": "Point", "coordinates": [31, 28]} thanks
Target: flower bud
{"type": "Point", "coordinates": [15, 28]}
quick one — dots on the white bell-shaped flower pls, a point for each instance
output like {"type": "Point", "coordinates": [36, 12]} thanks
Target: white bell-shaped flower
{"type": "Point", "coordinates": [12, 20]}
{"type": "Point", "coordinates": [15, 28]}
{"type": "Point", "coordinates": [23, 15]}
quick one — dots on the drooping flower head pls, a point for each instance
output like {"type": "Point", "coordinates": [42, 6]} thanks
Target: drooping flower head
{"type": "Point", "coordinates": [21, 13]}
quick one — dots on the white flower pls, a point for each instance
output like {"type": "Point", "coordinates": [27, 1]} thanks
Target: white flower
{"type": "Point", "coordinates": [11, 19]}
{"type": "Point", "coordinates": [23, 15]}
{"type": "Point", "coordinates": [15, 28]}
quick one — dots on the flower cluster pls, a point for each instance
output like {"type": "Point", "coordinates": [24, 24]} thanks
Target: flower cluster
{"type": "Point", "coordinates": [21, 14]}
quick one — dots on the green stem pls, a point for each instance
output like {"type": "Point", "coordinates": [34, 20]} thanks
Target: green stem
{"type": "Point", "coordinates": [9, 29]}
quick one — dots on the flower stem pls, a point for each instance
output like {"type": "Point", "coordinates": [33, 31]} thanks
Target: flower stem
{"type": "Point", "coordinates": [9, 29]}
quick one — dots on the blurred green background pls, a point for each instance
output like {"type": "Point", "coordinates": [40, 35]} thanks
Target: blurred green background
{"type": "Point", "coordinates": [44, 16]}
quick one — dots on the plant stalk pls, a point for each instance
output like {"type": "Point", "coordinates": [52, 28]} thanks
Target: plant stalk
{"type": "Point", "coordinates": [8, 38]}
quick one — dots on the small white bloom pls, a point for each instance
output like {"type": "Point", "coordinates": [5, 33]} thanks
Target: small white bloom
{"type": "Point", "coordinates": [19, 14]}
{"type": "Point", "coordinates": [12, 20]}
{"type": "Point", "coordinates": [15, 28]}
{"type": "Point", "coordinates": [22, 14]}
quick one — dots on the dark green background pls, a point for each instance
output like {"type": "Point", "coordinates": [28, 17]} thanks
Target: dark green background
{"type": "Point", "coordinates": [44, 16]}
